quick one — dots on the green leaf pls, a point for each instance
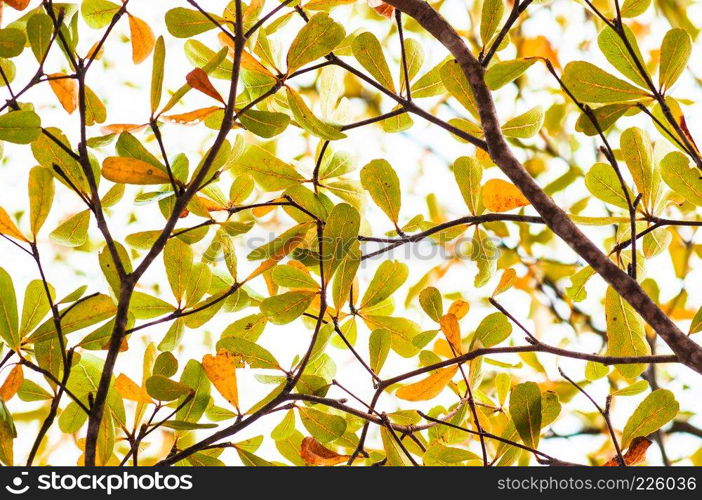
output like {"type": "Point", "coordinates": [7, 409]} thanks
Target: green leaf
{"type": "Point", "coordinates": [455, 81]}
{"type": "Point", "coordinates": [12, 42]}
{"type": "Point", "coordinates": [194, 376]}
{"type": "Point", "coordinates": [368, 51]}
{"type": "Point", "coordinates": [696, 324]}
{"type": "Point", "coordinates": [485, 255]}
{"type": "Point", "coordinates": [9, 331]}
{"type": "Point", "coordinates": [264, 124]}
{"type": "Point", "coordinates": [493, 329]}
{"type": "Point", "coordinates": [83, 314]}
{"type": "Point", "coordinates": [605, 117]}
{"type": "Point", "coordinates": [254, 355]}
{"type": "Point", "coordinates": [95, 111]}
{"type": "Point", "coordinates": [656, 410]}
{"type": "Point", "coordinates": [178, 258]}
{"type": "Point", "coordinates": [576, 291]}
{"type": "Point", "coordinates": [525, 125]}
{"type": "Point", "coordinates": [74, 231]}
{"type": "Point", "coordinates": [31, 391]}
{"type": "Point", "coordinates": [72, 418]}
{"type": "Point", "coordinates": [35, 307]}
{"type": "Point", "coordinates": [602, 181]}
{"type": "Point", "coordinates": [383, 185]}
{"type": "Point", "coordinates": [681, 177]}
{"type": "Point", "coordinates": [292, 277]}
{"type": "Point", "coordinates": [500, 74]}
{"type": "Point", "coordinates": [324, 427]}
{"type": "Point", "coordinates": [308, 121]}
{"type": "Point", "coordinates": [269, 172]}
{"type": "Point", "coordinates": [402, 331]}
{"type": "Point", "coordinates": [525, 410]}
{"type": "Point", "coordinates": [432, 303]}
{"type": "Point", "coordinates": [98, 13]}
{"type": "Point", "coordinates": [198, 283]}
{"type": "Point", "coordinates": [675, 52]}
{"type": "Point", "coordinates": [284, 308]}
{"type": "Point", "coordinates": [41, 197]}
{"type": "Point", "coordinates": [109, 268]}
{"type": "Point", "coordinates": [632, 390]}
{"type": "Point", "coordinates": [430, 84]}
{"type": "Point", "coordinates": [145, 306]}
{"type": "Point", "coordinates": [617, 53]}
{"type": "Point", "coordinates": [340, 235]}
{"type": "Point", "coordinates": [20, 127]}
{"type": "Point", "coordinates": [595, 370]}
{"type": "Point", "coordinates": [636, 149]}
{"type": "Point", "coordinates": [626, 335]}
{"type": "Point", "coordinates": [345, 274]}
{"type": "Point", "coordinates": [469, 173]}
{"type": "Point", "coordinates": [157, 73]}
{"type": "Point", "coordinates": [395, 455]}
{"type": "Point", "coordinates": [186, 23]}
{"type": "Point", "coordinates": [490, 19]}
{"type": "Point", "coordinates": [588, 83]}
{"type": "Point", "coordinates": [40, 29]}
{"type": "Point", "coordinates": [633, 8]}
{"type": "Point", "coordinates": [379, 348]}
{"type": "Point", "coordinates": [164, 389]}
{"type": "Point", "coordinates": [414, 54]}
{"type": "Point", "coordinates": [316, 39]}
{"type": "Point", "coordinates": [389, 276]}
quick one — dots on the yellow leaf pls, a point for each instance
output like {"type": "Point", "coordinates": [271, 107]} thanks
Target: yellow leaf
{"type": "Point", "coordinates": [313, 453]}
{"type": "Point", "coordinates": [449, 325]}
{"type": "Point", "coordinates": [196, 115]}
{"type": "Point", "coordinates": [221, 370]}
{"type": "Point", "coordinates": [8, 227]}
{"type": "Point", "coordinates": [143, 39]}
{"type": "Point", "coordinates": [501, 196]}
{"type": "Point", "coordinates": [429, 387]}
{"type": "Point", "coordinates": [132, 171]}
{"type": "Point", "coordinates": [459, 308]}
{"type": "Point", "coordinates": [12, 383]}
{"type": "Point", "coordinates": [129, 389]}
{"type": "Point", "coordinates": [248, 62]}
{"type": "Point", "coordinates": [509, 276]}
{"type": "Point", "coordinates": [66, 90]}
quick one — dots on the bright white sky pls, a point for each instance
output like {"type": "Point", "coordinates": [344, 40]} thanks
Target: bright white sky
{"type": "Point", "coordinates": [420, 157]}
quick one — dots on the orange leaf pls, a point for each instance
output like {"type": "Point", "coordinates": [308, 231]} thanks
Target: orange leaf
{"type": "Point", "coordinates": [199, 80]}
{"type": "Point", "coordinates": [132, 171]}
{"type": "Point", "coordinates": [313, 453]}
{"type": "Point", "coordinates": [66, 89]}
{"type": "Point", "coordinates": [459, 308]}
{"type": "Point", "coordinates": [429, 387]}
{"type": "Point", "coordinates": [509, 276]}
{"type": "Point", "coordinates": [118, 128]}
{"type": "Point", "coordinates": [143, 40]}
{"type": "Point", "coordinates": [261, 211]}
{"type": "Point", "coordinates": [382, 8]}
{"type": "Point", "coordinates": [12, 383]}
{"type": "Point", "coordinates": [209, 205]}
{"type": "Point", "coordinates": [8, 227]}
{"type": "Point", "coordinates": [634, 455]}
{"type": "Point", "coordinates": [221, 370]}
{"type": "Point", "coordinates": [539, 47]}
{"type": "Point", "coordinates": [95, 55]}
{"type": "Point", "coordinates": [449, 325]}
{"type": "Point", "coordinates": [501, 196]}
{"type": "Point", "coordinates": [192, 116]}
{"type": "Point", "coordinates": [129, 389]}
{"type": "Point", "coordinates": [17, 4]}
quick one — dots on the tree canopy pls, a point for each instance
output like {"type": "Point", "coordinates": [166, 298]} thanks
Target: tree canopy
{"type": "Point", "coordinates": [329, 232]}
